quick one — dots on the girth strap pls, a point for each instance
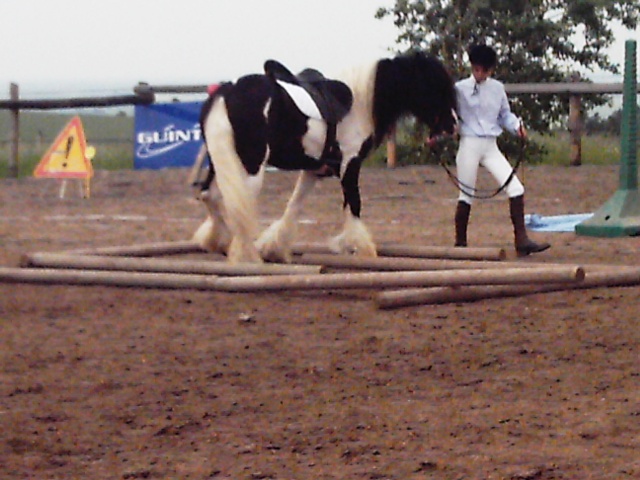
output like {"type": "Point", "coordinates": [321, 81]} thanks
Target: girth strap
{"type": "Point", "coordinates": [331, 152]}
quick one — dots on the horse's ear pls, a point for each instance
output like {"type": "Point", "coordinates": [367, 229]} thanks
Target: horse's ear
{"type": "Point", "coordinates": [269, 65]}
{"type": "Point", "coordinates": [276, 70]}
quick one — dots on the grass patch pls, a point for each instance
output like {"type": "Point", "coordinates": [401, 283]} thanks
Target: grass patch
{"type": "Point", "coordinates": [599, 149]}
{"type": "Point", "coordinates": [596, 149]}
{"type": "Point", "coordinates": [112, 137]}
{"type": "Point", "coordinates": [108, 157]}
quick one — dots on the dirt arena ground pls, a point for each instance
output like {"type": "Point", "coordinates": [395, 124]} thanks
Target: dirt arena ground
{"type": "Point", "coordinates": [123, 383]}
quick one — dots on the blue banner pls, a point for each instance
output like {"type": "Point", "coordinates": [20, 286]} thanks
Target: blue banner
{"type": "Point", "coordinates": [167, 135]}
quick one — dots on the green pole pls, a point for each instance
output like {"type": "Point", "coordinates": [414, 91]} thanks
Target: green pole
{"type": "Point", "coordinates": [628, 136]}
{"type": "Point", "coordinates": [620, 215]}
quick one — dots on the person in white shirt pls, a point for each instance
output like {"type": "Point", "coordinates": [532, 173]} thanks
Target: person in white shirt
{"type": "Point", "coordinates": [484, 112]}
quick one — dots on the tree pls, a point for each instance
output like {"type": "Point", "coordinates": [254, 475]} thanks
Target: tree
{"type": "Point", "coordinates": [609, 126]}
{"type": "Point", "coordinates": [536, 41]}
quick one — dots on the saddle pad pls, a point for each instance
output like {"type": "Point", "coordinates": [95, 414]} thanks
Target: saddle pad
{"type": "Point", "coordinates": [302, 99]}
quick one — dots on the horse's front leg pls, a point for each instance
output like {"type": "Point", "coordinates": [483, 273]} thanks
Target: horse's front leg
{"type": "Point", "coordinates": [355, 237]}
{"type": "Point", "coordinates": [276, 242]}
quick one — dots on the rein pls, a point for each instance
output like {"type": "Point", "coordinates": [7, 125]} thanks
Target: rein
{"type": "Point", "coordinates": [485, 194]}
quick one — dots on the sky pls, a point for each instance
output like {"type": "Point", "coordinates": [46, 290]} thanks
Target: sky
{"type": "Point", "coordinates": [86, 47]}
{"type": "Point", "coordinates": [107, 43]}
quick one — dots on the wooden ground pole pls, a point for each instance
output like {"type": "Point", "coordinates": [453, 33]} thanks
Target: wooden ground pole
{"type": "Point", "coordinates": [415, 251]}
{"type": "Point", "coordinates": [133, 264]}
{"type": "Point", "coordinates": [262, 283]}
{"type": "Point", "coordinates": [602, 277]}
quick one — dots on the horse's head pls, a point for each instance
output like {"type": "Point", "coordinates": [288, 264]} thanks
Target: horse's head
{"type": "Point", "coordinates": [429, 92]}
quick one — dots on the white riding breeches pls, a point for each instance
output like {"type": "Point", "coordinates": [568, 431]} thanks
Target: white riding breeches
{"type": "Point", "coordinates": [476, 151]}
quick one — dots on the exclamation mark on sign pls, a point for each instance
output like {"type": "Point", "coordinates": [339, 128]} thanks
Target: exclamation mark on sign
{"type": "Point", "coordinates": [68, 150]}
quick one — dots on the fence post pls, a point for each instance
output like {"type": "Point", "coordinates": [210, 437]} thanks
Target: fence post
{"type": "Point", "coordinates": [575, 125]}
{"type": "Point", "coordinates": [13, 169]}
{"type": "Point", "coordinates": [391, 149]}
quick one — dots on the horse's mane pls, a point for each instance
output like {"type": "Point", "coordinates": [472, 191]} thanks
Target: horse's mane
{"type": "Point", "coordinates": [397, 81]}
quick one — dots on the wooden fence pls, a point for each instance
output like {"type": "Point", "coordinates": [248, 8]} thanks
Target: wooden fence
{"type": "Point", "coordinates": [575, 89]}
{"type": "Point", "coordinates": [144, 94]}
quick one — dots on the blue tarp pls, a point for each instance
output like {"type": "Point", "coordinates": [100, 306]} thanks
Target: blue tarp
{"type": "Point", "coordinates": [555, 223]}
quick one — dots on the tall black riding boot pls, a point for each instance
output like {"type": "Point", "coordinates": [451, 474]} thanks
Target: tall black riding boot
{"type": "Point", "coordinates": [463, 209]}
{"type": "Point", "coordinates": [524, 246]}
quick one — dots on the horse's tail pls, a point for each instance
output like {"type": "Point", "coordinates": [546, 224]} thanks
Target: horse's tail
{"type": "Point", "coordinates": [240, 210]}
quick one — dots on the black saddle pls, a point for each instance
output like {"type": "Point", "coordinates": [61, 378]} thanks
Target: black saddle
{"type": "Point", "coordinates": [332, 97]}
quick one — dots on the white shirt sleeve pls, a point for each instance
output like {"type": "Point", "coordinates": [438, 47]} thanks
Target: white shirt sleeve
{"type": "Point", "coordinates": [506, 118]}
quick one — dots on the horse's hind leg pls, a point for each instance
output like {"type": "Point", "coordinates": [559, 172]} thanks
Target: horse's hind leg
{"type": "Point", "coordinates": [276, 242]}
{"type": "Point", "coordinates": [237, 206]}
{"type": "Point", "coordinates": [242, 247]}
{"type": "Point", "coordinates": [213, 234]}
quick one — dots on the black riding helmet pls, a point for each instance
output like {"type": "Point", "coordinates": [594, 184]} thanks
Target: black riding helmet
{"type": "Point", "coordinates": [484, 56]}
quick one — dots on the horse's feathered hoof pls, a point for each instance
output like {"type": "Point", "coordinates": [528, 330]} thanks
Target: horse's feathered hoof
{"type": "Point", "coordinates": [277, 257]}
{"type": "Point", "coordinates": [275, 243]}
{"type": "Point", "coordinates": [369, 252]}
{"type": "Point", "coordinates": [243, 252]}
{"type": "Point", "coordinates": [212, 236]}
{"type": "Point", "coordinates": [337, 245]}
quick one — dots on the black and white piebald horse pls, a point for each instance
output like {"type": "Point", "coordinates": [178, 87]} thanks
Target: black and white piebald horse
{"type": "Point", "coordinates": [318, 126]}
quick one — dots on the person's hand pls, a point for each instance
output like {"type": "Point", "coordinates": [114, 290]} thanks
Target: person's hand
{"type": "Point", "coordinates": [431, 142]}
{"type": "Point", "coordinates": [522, 131]}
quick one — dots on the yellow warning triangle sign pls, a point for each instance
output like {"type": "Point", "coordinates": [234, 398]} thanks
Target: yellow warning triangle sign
{"type": "Point", "coordinates": [67, 157]}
